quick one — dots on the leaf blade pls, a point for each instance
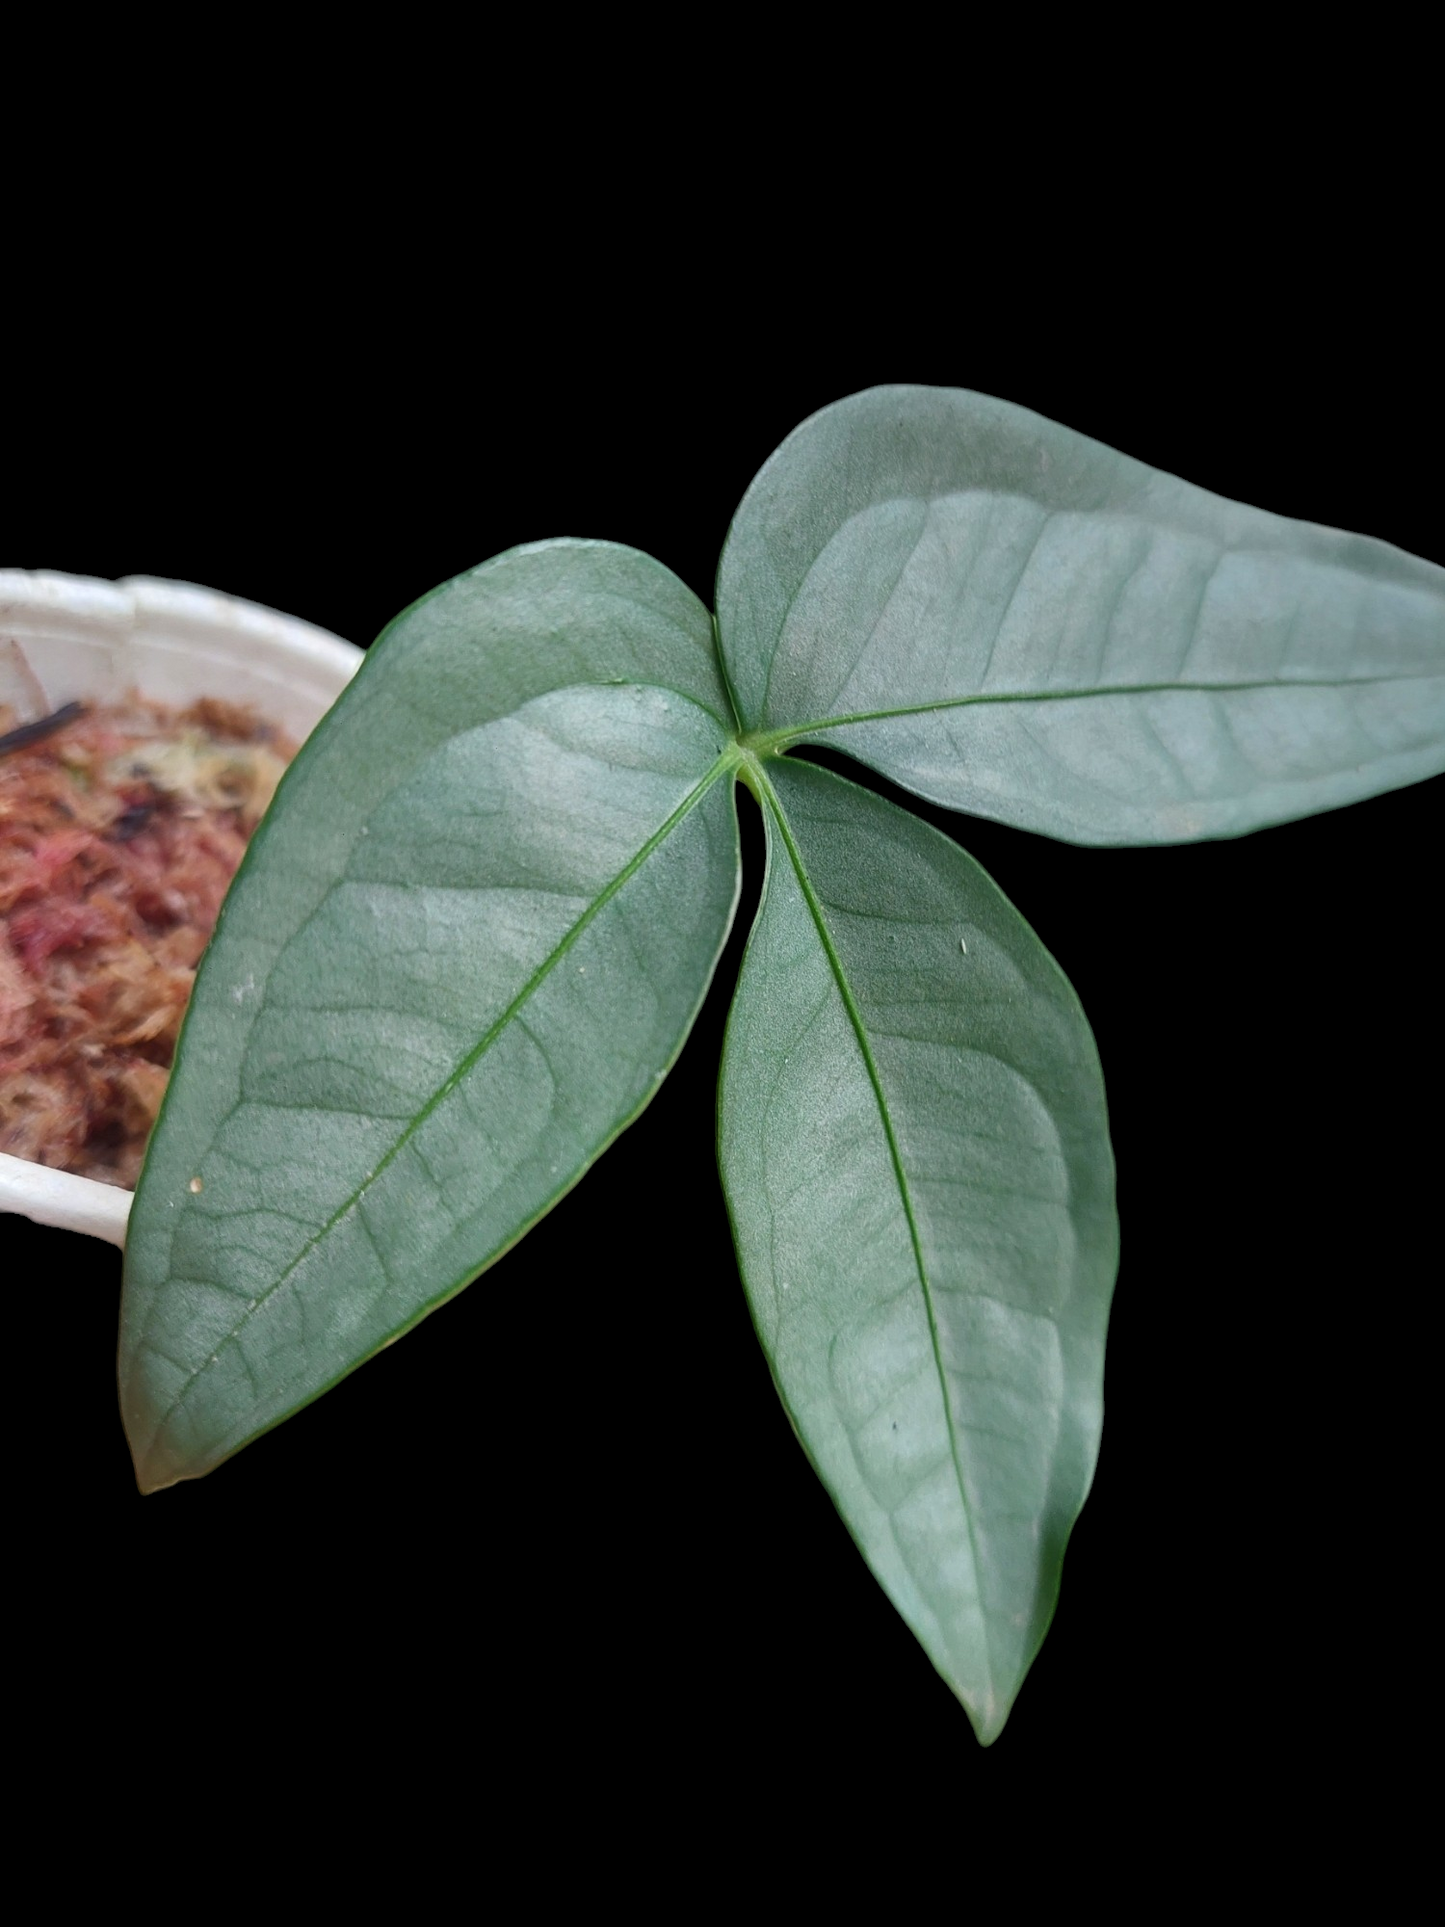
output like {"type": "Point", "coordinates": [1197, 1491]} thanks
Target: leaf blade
{"type": "Point", "coordinates": [1011, 619]}
{"type": "Point", "coordinates": [429, 1007]}
{"type": "Point", "coordinates": [927, 1249]}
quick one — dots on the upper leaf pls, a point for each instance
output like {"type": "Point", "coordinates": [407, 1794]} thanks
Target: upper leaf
{"type": "Point", "coordinates": [464, 947]}
{"type": "Point", "coordinates": [915, 1151]}
{"type": "Point", "coordinates": [1013, 620]}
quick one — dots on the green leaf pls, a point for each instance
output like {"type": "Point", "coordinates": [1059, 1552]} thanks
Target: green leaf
{"type": "Point", "coordinates": [462, 952]}
{"type": "Point", "coordinates": [1013, 620]}
{"type": "Point", "coordinates": [915, 1151]}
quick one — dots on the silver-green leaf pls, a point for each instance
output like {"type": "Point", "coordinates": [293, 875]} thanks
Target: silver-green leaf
{"type": "Point", "coordinates": [1011, 619]}
{"type": "Point", "coordinates": [915, 1151]}
{"type": "Point", "coordinates": [462, 952]}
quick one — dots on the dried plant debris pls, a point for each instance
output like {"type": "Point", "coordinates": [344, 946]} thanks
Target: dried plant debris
{"type": "Point", "coordinates": [120, 830]}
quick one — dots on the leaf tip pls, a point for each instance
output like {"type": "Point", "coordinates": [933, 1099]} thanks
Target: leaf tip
{"type": "Point", "coordinates": [153, 1472]}
{"type": "Point", "coordinates": [153, 1459]}
{"type": "Point", "coordinates": [987, 1726]}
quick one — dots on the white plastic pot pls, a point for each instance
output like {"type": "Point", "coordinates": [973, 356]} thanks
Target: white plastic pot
{"type": "Point", "coordinates": [91, 640]}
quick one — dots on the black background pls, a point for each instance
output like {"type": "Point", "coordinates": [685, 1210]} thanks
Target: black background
{"type": "Point", "coordinates": [567, 1514]}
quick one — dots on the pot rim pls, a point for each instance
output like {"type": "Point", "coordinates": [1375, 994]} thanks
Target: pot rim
{"type": "Point", "coordinates": [178, 620]}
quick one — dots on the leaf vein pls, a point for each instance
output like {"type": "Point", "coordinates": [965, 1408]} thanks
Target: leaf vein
{"type": "Point", "coordinates": [774, 741]}
{"type": "Point", "coordinates": [724, 763]}
{"type": "Point", "coordinates": [855, 1018]}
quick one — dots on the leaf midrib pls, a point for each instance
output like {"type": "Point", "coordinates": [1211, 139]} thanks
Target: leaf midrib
{"type": "Point", "coordinates": [855, 1018]}
{"type": "Point", "coordinates": [725, 762]}
{"type": "Point", "coordinates": [770, 742]}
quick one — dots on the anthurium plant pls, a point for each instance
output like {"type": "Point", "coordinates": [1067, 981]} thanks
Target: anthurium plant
{"type": "Point", "coordinates": [473, 933]}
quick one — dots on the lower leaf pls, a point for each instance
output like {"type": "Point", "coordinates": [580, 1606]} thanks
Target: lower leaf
{"type": "Point", "coordinates": [914, 1146]}
{"type": "Point", "coordinates": [463, 951]}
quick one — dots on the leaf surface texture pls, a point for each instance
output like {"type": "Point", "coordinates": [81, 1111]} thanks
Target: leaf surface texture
{"type": "Point", "coordinates": [914, 1147]}
{"type": "Point", "coordinates": [1013, 620]}
{"type": "Point", "coordinates": [458, 959]}
{"type": "Point", "coordinates": [474, 930]}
